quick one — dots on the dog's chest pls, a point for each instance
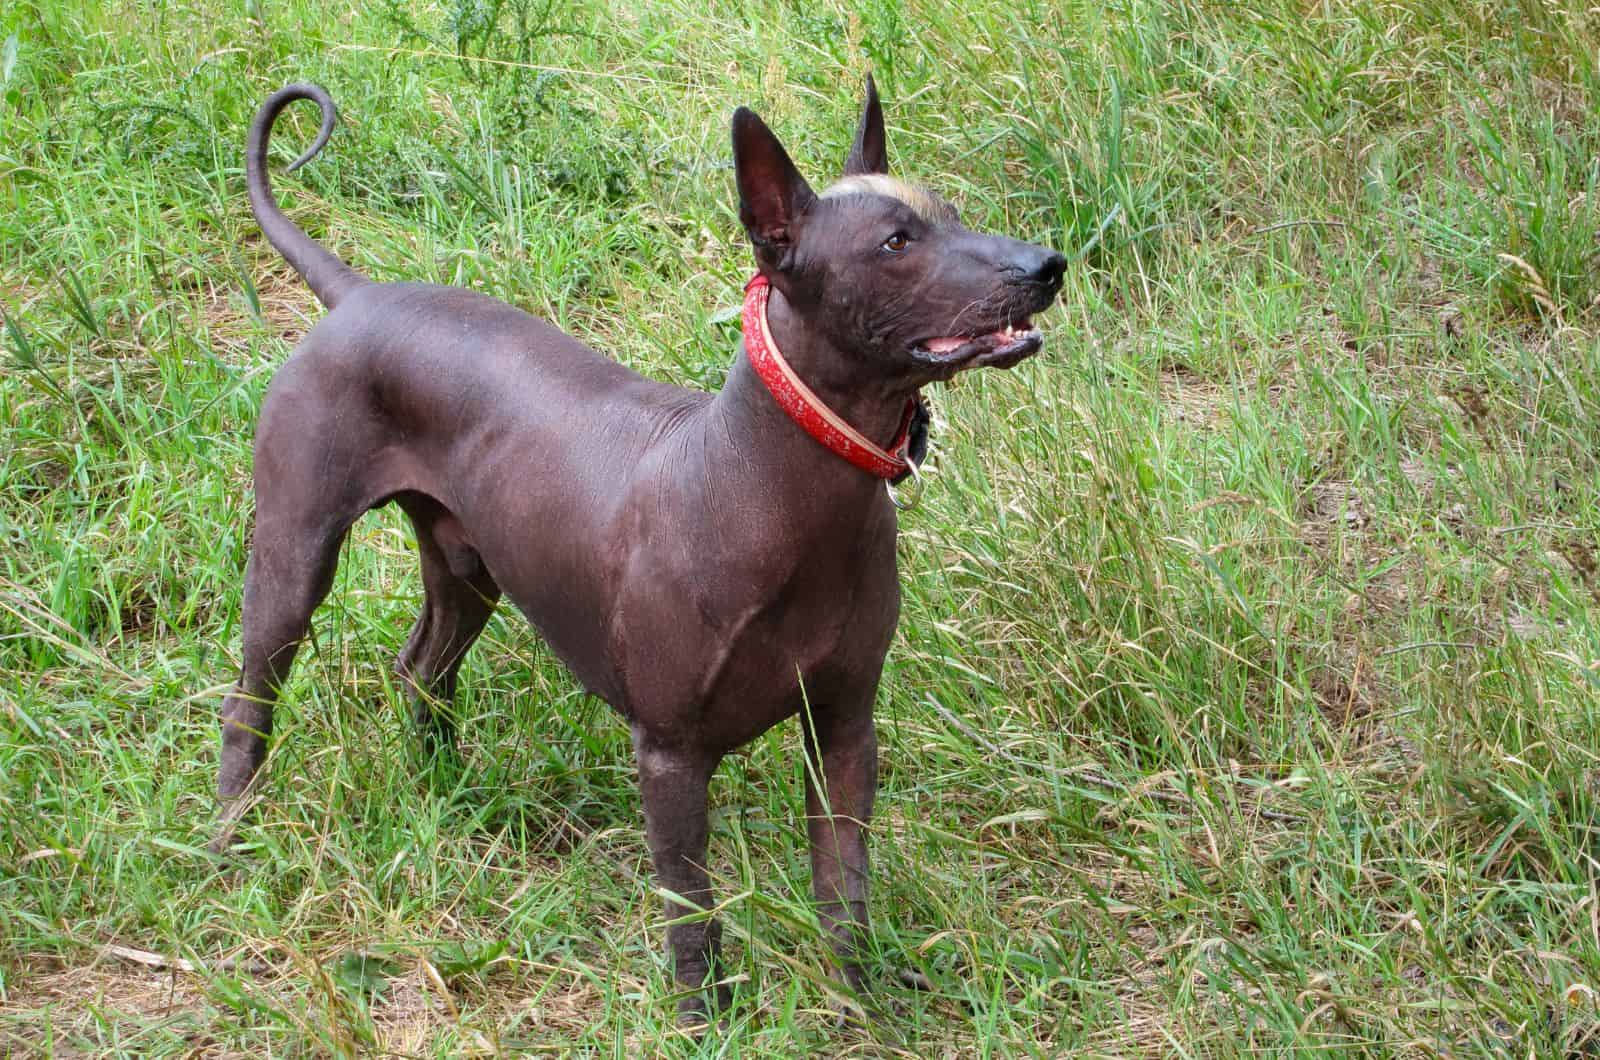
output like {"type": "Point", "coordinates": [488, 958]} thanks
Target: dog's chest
{"type": "Point", "coordinates": [731, 649]}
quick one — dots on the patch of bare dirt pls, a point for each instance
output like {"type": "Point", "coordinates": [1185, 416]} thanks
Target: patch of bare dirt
{"type": "Point", "coordinates": [288, 309]}
{"type": "Point", "coordinates": [1563, 101]}
{"type": "Point", "coordinates": [1191, 398]}
{"type": "Point", "coordinates": [17, 294]}
{"type": "Point", "coordinates": [1331, 507]}
{"type": "Point", "coordinates": [133, 990]}
{"type": "Point", "coordinates": [410, 1014]}
{"type": "Point", "coordinates": [1580, 554]}
{"type": "Point", "coordinates": [1346, 692]}
{"type": "Point", "coordinates": [81, 998]}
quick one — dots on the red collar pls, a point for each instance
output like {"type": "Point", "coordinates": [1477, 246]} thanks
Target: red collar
{"type": "Point", "coordinates": [804, 407]}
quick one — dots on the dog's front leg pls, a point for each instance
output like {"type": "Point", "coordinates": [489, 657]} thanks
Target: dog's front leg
{"type": "Point", "coordinates": [673, 782]}
{"type": "Point", "coordinates": [841, 782]}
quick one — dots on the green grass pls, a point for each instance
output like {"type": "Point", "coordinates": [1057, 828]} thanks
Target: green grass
{"type": "Point", "coordinates": [1245, 696]}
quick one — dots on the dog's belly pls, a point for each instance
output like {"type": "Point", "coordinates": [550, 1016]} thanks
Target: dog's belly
{"type": "Point", "coordinates": [550, 556]}
{"type": "Point", "coordinates": [573, 634]}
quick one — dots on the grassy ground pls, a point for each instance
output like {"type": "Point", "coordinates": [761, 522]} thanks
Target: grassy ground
{"type": "Point", "coordinates": [1245, 697]}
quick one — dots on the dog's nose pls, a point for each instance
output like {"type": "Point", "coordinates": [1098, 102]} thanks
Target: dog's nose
{"type": "Point", "coordinates": [1050, 270]}
{"type": "Point", "coordinates": [1038, 265]}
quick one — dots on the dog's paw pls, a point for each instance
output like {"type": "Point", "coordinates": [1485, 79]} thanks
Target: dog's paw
{"type": "Point", "coordinates": [912, 979]}
{"type": "Point", "coordinates": [856, 1018]}
{"type": "Point", "coordinates": [696, 1022]}
{"type": "Point", "coordinates": [877, 1013]}
{"type": "Point", "coordinates": [875, 1017]}
{"type": "Point", "coordinates": [225, 844]}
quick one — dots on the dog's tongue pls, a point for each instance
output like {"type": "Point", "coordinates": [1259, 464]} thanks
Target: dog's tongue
{"type": "Point", "coordinates": [946, 344]}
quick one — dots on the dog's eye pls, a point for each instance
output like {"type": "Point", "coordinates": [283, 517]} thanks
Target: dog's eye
{"type": "Point", "coordinates": [897, 243]}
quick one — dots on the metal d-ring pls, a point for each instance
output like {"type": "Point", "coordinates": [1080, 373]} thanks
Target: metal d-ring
{"type": "Point", "coordinates": [916, 496]}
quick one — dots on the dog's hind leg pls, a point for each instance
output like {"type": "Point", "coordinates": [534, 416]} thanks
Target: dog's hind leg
{"type": "Point", "coordinates": [314, 477]}
{"type": "Point", "coordinates": [459, 598]}
{"type": "Point", "coordinates": [290, 571]}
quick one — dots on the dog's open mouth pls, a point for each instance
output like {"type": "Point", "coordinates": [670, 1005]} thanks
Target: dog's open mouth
{"type": "Point", "coordinates": [1001, 348]}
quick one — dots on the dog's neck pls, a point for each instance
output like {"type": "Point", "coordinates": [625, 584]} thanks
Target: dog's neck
{"type": "Point", "coordinates": [768, 439]}
{"type": "Point", "coordinates": [755, 421]}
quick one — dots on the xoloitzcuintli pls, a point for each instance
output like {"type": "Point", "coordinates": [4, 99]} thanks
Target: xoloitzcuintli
{"type": "Point", "coordinates": [707, 564]}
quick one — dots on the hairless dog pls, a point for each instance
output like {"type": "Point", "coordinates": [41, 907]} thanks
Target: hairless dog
{"type": "Point", "coordinates": [709, 565]}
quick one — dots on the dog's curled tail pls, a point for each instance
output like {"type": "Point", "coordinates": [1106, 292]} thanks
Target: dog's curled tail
{"type": "Point", "coordinates": [329, 278]}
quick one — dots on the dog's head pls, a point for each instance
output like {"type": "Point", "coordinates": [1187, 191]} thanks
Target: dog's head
{"type": "Point", "coordinates": [885, 270]}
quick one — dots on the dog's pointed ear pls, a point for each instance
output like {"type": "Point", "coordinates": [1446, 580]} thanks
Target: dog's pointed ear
{"type": "Point", "coordinates": [870, 152]}
{"type": "Point", "coordinates": [772, 193]}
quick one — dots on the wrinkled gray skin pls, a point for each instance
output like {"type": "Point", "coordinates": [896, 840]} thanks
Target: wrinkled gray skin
{"type": "Point", "coordinates": [693, 559]}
